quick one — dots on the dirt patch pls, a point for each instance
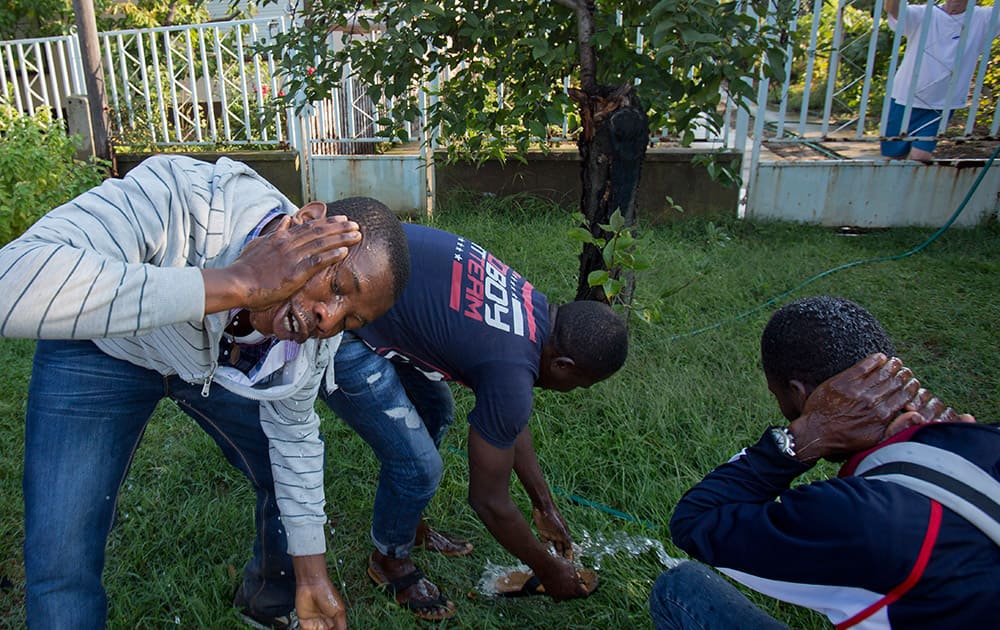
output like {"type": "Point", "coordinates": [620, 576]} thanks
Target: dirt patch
{"type": "Point", "coordinates": [970, 149]}
{"type": "Point", "coordinates": [796, 151]}
{"type": "Point", "coordinates": [847, 150]}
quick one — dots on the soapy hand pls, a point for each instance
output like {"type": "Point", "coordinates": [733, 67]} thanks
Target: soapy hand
{"type": "Point", "coordinates": [851, 411]}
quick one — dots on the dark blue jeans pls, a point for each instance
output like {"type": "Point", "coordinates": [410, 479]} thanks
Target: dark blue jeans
{"type": "Point", "coordinates": [403, 416]}
{"type": "Point", "coordinates": [86, 413]}
{"type": "Point", "coordinates": [691, 596]}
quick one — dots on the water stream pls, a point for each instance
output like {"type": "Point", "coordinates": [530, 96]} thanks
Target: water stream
{"type": "Point", "coordinates": [594, 547]}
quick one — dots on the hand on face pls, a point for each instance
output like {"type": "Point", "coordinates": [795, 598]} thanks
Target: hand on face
{"type": "Point", "coordinates": [273, 267]}
{"type": "Point", "coordinates": [852, 411]}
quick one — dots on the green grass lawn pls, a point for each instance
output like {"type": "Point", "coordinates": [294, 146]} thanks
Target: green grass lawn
{"type": "Point", "coordinates": [682, 404]}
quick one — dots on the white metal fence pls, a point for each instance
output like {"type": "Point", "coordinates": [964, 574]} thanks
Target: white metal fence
{"type": "Point", "coordinates": [193, 85]}
{"type": "Point", "coordinates": [41, 72]}
{"type": "Point", "coordinates": [851, 61]}
{"type": "Point", "coordinates": [207, 85]}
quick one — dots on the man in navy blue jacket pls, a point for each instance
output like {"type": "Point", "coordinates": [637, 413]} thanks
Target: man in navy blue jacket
{"type": "Point", "coordinates": [867, 553]}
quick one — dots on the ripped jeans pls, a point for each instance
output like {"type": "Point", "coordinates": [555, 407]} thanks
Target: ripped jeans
{"type": "Point", "coordinates": [403, 416]}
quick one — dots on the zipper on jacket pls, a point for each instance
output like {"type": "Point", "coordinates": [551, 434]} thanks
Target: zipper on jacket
{"type": "Point", "coordinates": [208, 380]}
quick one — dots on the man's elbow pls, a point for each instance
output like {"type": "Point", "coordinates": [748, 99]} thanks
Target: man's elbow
{"type": "Point", "coordinates": [682, 528]}
{"type": "Point", "coordinates": [484, 504]}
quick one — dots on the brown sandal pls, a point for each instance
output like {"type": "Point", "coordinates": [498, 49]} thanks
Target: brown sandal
{"type": "Point", "coordinates": [524, 583]}
{"type": "Point", "coordinates": [430, 609]}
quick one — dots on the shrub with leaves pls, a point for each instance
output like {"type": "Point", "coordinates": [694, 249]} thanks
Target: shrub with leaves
{"type": "Point", "coordinates": [624, 253]}
{"type": "Point", "coordinates": [493, 72]}
{"type": "Point", "coordinates": [38, 168]}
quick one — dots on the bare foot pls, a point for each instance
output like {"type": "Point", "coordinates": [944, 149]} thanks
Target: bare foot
{"type": "Point", "coordinates": [435, 541]}
{"type": "Point", "coordinates": [407, 584]}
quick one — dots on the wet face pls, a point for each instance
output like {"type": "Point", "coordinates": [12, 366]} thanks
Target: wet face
{"type": "Point", "coordinates": [344, 296]}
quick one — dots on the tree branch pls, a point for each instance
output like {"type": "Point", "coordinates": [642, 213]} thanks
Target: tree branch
{"type": "Point", "coordinates": [584, 10]}
{"type": "Point", "coordinates": [572, 5]}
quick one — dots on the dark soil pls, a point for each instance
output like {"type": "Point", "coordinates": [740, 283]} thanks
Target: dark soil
{"type": "Point", "coordinates": [948, 150]}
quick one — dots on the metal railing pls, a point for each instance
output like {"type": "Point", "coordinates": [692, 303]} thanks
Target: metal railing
{"type": "Point", "coordinates": [41, 72]}
{"type": "Point", "coordinates": [856, 56]}
{"type": "Point", "coordinates": [207, 84]}
{"type": "Point", "coordinates": [192, 85]}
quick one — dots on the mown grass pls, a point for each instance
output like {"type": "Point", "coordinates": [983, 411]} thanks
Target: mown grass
{"type": "Point", "coordinates": [682, 404]}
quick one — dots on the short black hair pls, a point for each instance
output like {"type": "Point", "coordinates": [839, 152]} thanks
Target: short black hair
{"type": "Point", "coordinates": [591, 334]}
{"type": "Point", "coordinates": [814, 338]}
{"type": "Point", "coordinates": [380, 228]}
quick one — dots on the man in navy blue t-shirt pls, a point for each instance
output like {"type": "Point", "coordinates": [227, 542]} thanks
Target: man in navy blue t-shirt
{"type": "Point", "coordinates": [466, 317]}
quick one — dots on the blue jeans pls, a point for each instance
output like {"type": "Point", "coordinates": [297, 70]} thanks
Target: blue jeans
{"type": "Point", "coordinates": [403, 416]}
{"type": "Point", "coordinates": [86, 413]}
{"type": "Point", "coordinates": [691, 596]}
{"type": "Point", "coordinates": [923, 122]}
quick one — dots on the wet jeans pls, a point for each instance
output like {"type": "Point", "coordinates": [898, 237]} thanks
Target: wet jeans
{"type": "Point", "coordinates": [403, 416]}
{"type": "Point", "coordinates": [692, 596]}
{"type": "Point", "coordinates": [86, 413]}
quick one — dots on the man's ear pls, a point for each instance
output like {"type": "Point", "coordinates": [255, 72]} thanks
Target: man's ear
{"type": "Point", "coordinates": [800, 393]}
{"type": "Point", "coordinates": [309, 212]}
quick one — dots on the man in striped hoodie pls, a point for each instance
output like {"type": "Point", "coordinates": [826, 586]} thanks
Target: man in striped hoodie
{"type": "Point", "coordinates": [200, 283]}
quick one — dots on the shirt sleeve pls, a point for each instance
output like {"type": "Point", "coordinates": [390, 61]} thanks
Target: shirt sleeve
{"type": "Point", "coordinates": [296, 449]}
{"type": "Point", "coordinates": [504, 397]}
{"type": "Point", "coordinates": [912, 17]}
{"type": "Point", "coordinates": [743, 516]}
{"type": "Point", "coordinates": [107, 263]}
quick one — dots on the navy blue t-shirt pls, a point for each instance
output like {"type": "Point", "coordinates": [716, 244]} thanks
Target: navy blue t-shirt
{"type": "Point", "coordinates": [466, 316]}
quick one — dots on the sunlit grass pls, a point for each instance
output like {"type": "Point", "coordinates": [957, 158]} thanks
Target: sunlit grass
{"type": "Point", "coordinates": [682, 404]}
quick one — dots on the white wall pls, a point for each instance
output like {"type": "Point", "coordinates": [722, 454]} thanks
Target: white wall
{"type": "Point", "coordinates": [219, 9]}
{"type": "Point", "coordinates": [874, 193]}
{"type": "Point", "coordinates": [398, 181]}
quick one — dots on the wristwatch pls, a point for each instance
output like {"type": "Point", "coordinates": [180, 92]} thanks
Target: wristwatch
{"type": "Point", "coordinates": [783, 440]}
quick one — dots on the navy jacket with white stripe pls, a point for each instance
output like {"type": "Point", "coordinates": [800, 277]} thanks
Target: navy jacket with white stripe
{"type": "Point", "coordinates": [841, 545]}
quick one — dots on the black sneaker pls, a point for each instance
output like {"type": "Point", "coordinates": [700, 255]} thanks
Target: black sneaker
{"type": "Point", "coordinates": [263, 621]}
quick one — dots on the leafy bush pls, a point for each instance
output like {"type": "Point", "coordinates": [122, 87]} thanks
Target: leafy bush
{"type": "Point", "coordinates": [38, 168]}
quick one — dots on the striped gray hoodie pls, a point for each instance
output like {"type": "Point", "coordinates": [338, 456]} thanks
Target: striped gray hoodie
{"type": "Point", "coordinates": [120, 265]}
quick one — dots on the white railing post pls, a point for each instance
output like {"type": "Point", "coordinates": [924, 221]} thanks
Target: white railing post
{"type": "Point", "coordinates": [193, 85]}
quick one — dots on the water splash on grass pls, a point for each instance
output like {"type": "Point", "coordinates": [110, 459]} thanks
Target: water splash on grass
{"type": "Point", "coordinates": [592, 547]}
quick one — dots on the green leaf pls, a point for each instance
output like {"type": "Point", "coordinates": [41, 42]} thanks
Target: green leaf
{"type": "Point", "coordinates": [537, 129]}
{"type": "Point", "coordinates": [598, 277]}
{"type": "Point", "coordinates": [580, 234]}
{"type": "Point", "coordinates": [694, 37]}
{"type": "Point", "coordinates": [612, 287]}
{"type": "Point", "coordinates": [434, 8]}
{"type": "Point", "coordinates": [608, 253]}
{"type": "Point", "coordinates": [617, 221]}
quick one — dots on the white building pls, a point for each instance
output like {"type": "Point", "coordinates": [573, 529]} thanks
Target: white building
{"type": "Point", "coordinates": [219, 9]}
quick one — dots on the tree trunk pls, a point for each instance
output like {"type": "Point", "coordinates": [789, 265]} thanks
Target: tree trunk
{"type": "Point", "coordinates": [93, 73]}
{"type": "Point", "coordinates": [612, 146]}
